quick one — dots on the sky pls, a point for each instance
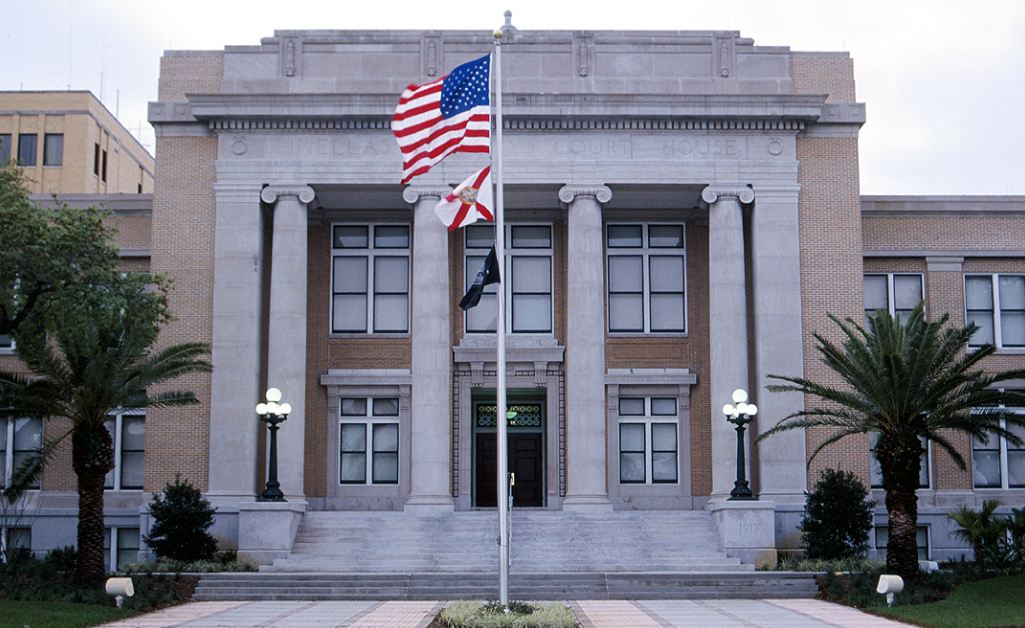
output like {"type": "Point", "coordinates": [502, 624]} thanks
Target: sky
{"type": "Point", "coordinates": [943, 80]}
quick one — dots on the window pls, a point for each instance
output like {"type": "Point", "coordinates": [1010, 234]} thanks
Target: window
{"type": "Point", "coordinates": [128, 431]}
{"type": "Point", "coordinates": [528, 264]}
{"type": "Point", "coordinates": [648, 450]}
{"type": "Point", "coordinates": [14, 538]}
{"type": "Point", "coordinates": [19, 438]}
{"type": "Point", "coordinates": [996, 303]}
{"type": "Point", "coordinates": [120, 547]}
{"type": "Point", "coordinates": [369, 440]}
{"type": "Point", "coordinates": [877, 471]}
{"type": "Point", "coordinates": [27, 149]}
{"type": "Point", "coordinates": [896, 293]}
{"type": "Point", "coordinates": [53, 149]}
{"type": "Point", "coordinates": [5, 148]}
{"type": "Point", "coordinates": [370, 279]}
{"type": "Point", "coordinates": [6, 343]}
{"type": "Point", "coordinates": [96, 159]}
{"type": "Point", "coordinates": [882, 534]}
{"type": "Point", "coordinates": [646, 278]}
{"type": "Point", "coordinates": [997, 463]}
{"type": "Point", "coordinates": [103, 167]}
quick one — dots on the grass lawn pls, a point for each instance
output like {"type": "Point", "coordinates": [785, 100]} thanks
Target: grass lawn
{"type": "Point", "coordinates": [994, 602]}
{"type": "Point", "coordinates": [58, 614]}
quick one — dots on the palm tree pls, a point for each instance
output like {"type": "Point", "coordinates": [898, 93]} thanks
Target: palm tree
{"type": "Point", "coordinates": [906, 380]}
{"type": "Point", "coordinates": [982, 529]}
{"type": "Point", "coordinates": [96, 360]}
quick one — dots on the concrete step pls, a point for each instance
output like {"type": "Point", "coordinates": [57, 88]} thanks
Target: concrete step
{"type": "Point", "coordinates": [540, 586]}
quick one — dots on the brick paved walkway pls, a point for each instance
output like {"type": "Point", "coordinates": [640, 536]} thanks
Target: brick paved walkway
{"type": "Point", "coordinates": [591, 614]}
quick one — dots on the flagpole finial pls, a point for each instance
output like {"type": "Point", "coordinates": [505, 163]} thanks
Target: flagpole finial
{"type": "Point", "coordinates": [497, 33]}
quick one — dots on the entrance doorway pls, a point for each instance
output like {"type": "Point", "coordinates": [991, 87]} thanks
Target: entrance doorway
{"type": "Point", "coordinates": [526, 452]}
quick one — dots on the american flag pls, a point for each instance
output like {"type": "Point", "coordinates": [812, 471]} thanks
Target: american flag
{"type": "Point", "coordinates": [451, 114]}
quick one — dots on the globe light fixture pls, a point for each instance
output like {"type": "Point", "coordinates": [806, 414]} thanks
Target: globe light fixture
{"type": "Point", "coordinates": [272, 413]}
{"type": "Point", "coordinates": [739, 413]}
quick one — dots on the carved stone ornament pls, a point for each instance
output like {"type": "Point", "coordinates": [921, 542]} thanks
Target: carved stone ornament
{"type": "Point", "coordinates": [584, 43]}
{"type": "Point", "coordinates": [272, 193]}
{"type": "Point", "coordinates": [568, 193]}
{"type": "Point", "coordinates": [289, 61]}
{"type": "Point", "coordinates": [713, 193]}
{"type": "Point", "coordinates": [431, 54]}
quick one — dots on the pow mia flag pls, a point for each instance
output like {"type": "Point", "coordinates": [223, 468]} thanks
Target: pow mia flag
{"type": "Point", "coordinates": [487, 274]}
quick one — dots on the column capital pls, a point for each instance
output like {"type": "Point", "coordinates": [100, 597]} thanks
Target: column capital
{"type": "Point", "coordinates": [272, 193]}
{"type": "Point", "coordinates": [569, 193]}
{"type": "Point", "coordinates": [713, 193]}
{"type": "Point", "coordinates": [415, 193]}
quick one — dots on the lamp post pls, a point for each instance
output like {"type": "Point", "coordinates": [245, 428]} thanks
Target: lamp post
{"type": "Point", "coordinates": [739, 413]}
{"type": "Point", "coordinates": [273, 413]}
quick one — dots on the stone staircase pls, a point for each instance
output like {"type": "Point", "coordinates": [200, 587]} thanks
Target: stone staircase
{"type": "Point", "coordinates": [554, 556]}
{"type": "Point", "coordinates": [542, 541]}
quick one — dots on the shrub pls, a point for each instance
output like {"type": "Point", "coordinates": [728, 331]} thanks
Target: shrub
{"type": "Point", "coordinates": [838, 517]}
{"type": "Point", "coordinates": [181, 518]}
{"type": "Point", "coordinates": [492, 615]}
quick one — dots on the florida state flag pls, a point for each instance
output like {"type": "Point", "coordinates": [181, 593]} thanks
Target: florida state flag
{"type": "Point", "coordinates": [470, 202]}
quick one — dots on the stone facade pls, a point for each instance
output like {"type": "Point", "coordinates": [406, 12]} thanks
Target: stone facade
{"type": "Point", "coordinates": [279, 174]}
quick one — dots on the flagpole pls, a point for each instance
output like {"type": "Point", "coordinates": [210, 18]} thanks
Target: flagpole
{"type": "Point", "coordinates": [500, 401]}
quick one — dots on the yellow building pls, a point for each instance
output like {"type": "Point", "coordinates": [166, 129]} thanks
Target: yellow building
{"type": "Point", "coordinates": [69, 143]}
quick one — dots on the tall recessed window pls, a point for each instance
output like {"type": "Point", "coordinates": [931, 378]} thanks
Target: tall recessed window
{"type": "Point", "coordinates": [528, 265]}
{"type": "Point", "coordinates": [648, 440]}
{"type": "Point", "coordinates": [20, 437]}
{"type": "Point", "coordinates": [897, 293]}
{"type": "Point", "coordinates": [128, 431]}
{"type": "Point", "coordinates": [96, 159]}
{"type": "Point", "coordinates": [646, 281]}
{"type": "Point", "coordinates": [53, 149]}
{"type": "Point", "coordinates": [997, 462]}
{"type": "Point", "coordinates": [370, 279]}
{"type": "Point", "coordinates": [369, 440]}
{"type": "Point", "coordinates": [28, 145]}
{"type": "Point", "coordinates": [996, 303]}
{"type": "Point", "coordinates": [5, 148]}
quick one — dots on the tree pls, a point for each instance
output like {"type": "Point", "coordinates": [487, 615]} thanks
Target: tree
{"type": "Point", "coordinates": [982, 529]}
{"type": "Point", "coordinates": [907, 381]}
{"type": "Point", "coordinates": [837, 518]}
{"type": "Point", "coordinates": [46, 252]}
{"type": "Point", "coordinates": [181, 518]}
{"type": "Point", "coordinates": [90, 352]}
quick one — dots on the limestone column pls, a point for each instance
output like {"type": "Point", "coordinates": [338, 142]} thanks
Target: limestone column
{"type": "Point", "coordinates": [776, 284]}
{"type": "Point", "coordinates": [727, 311]}
{"type": "Point", "coordinates": [286, 333]}
{"type": "Point", "coordinates": [235, 346]}
{"type": "Point", "coordinates": [430, 329]}
{"type": "Point", "coordinates": [586, 465]}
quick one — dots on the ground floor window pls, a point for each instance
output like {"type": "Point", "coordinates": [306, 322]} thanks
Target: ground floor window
{"type": "Point", "coordinates": [882, 537]}
{"type": "Point", "coordinates": [368, 436]}
{"type": "Point", "coordinates": [648, 450]}
{"type": "Point", "coordinates": [14, 538]}
{"type": "Point", "coordinates": [120, 547]}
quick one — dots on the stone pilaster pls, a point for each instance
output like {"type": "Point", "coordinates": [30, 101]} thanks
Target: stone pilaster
{"type": "Point", "coordinates": [235, 381]}
{"type": "Point", "coordinates": [430, 455]}
{"type": "Point", "coordinates": [727, 311]}
{"type": "Point", "coordinates": [586, 470]}
{"type": "Point", "coordinates": [780, 461]}
{"type": "Point", "coordinates": [286, 333]}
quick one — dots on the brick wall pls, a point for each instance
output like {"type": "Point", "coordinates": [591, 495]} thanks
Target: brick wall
{"type": "Point", "coordinates": [177, 439]}
{"type": "Point", "coordinates": [823, 73]}
{"type": "Point", "coordinates": [190, 72]}
{"type": "Point", "coordinates": [945, 232]}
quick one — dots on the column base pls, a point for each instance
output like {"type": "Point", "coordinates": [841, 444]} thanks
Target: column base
{"type": "Point", "coordinates": [747, 529]}
{"type": "Point", "coordinates": [266, 530]}
{"type": "Point", "coordinates": [591, 503]}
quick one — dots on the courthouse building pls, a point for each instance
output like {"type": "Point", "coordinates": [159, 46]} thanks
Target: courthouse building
{"type": "Point", "coordinates": [683, 211]}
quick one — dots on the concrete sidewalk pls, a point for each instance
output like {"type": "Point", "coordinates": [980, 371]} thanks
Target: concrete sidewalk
{"type": "Point", "coordinates": [591, 614]}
